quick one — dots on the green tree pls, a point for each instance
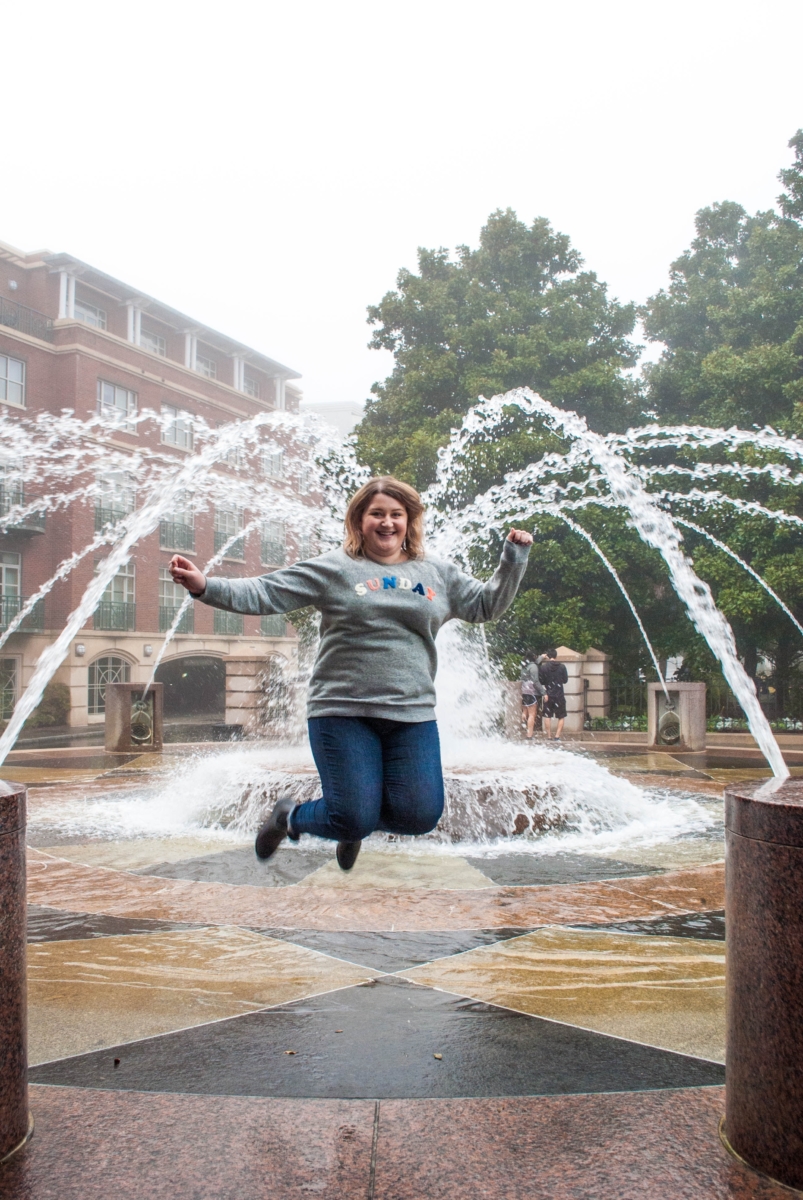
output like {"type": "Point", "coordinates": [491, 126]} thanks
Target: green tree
{"type": "Point", "coordinates": [516, 311]}
{"type": "Point", "coordinates": [732, 317]}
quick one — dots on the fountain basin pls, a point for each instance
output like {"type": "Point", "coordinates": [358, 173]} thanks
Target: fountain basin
{"type": "Point", "coordinates": [764, 916]}
{"type": "Point", "coordinates": [15, 1124]}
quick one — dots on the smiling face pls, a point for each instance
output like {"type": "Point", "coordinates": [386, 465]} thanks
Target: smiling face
{"type": "Point", "coordinates": [384, 528]}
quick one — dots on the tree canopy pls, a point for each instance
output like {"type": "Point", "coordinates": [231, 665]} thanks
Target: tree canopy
{"type": "Point", "coordinates": [732, 317]}
{"type": "Point", "coordinates": [517, 310]}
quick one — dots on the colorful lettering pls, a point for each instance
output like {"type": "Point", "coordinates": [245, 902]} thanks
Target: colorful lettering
{"type": "Point", "coordinates": [404, 584]}
{"type": "Point", "coordinates": [373, 584]}
{"type": "Point", "coordinates": [388, 581]}
{"type": "Point", "coordinates": [360, 589]}
{"type": "Point", "coordinates": [430, 594]}
{"type": "Point", "coordinates": [418, 588]}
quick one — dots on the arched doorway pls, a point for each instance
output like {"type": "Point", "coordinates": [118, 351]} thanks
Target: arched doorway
{"type": "Point", "coordinates": [194, 687]}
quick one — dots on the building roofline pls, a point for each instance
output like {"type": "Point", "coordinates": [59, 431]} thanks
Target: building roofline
{"type": "Point", "coordinates": [123, 292]}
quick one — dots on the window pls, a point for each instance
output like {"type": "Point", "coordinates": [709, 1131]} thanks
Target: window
{"type": "Point", "coordinates": [179, 532]}
{"type": "Point", "coordinates": [229, 521]}
{"type": "Point", "coordinates": [153, 342]}
{"type": "Point", "coordinates": [171, 597]}
{"type": "Point", "coordinates": [117, 402]}
{"type": "Point", "coordinates": [304, 479]}
{"type": "Point", "coordinates": [12, 380]}
{"type": "Point", "coordinates": [274, 543]}
{"type": "Point", "coordinates": [114, 499]}
{"type": "Point", "coordinates": [117, 609]}
{"type": "Point", "coordinates": [90, 315]}
{"type": "Point", "coordinates": [251, 387]}
{"type": "Point", "coordinates": [206, 366]}
{"type": "Point", "coordinates": [8, 686]}
{"type": "Point", "coordinates": [176, 427]}
{"type": "Point", "coordinates": [10, 587]}
{"type": "Point", "coordinates": [10, 575]}
{"type": "Point", "coordinates": [228, 623]}
{"type": "Point", "coordinates": [273, 464]}
{"type": "Point", "coordinates": [11, 488]}
{"type": "Point", "coordinates": [102, 671]}
{"type": "Point", "coordinates": [306, 547]}
{"type": "Point", "coordinates": [274, 626]}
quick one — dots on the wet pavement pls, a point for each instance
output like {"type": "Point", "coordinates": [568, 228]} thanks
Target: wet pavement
{"type": "Point", "coordinates": [438, 1025]}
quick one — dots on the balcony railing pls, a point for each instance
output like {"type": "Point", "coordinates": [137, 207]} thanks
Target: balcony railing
{"type": "Point", "coordinates": [168, 615]}
{"type": "Point", "coordinates": [11, 496]}
{"type": "Point", "coordinates": [108, 515]}
{"type": "Point", "coordinates": [274, 554]}
{"type": "Point", "coordinates": [175, 535]}
{"type": "Point", "coordinates": [115, 614]}
{"type": "Point", "coordinates": [235, 550]}
{"type": "Point", "coordinates": [10, 607]}
{"type": "Point", "coordinates": [274, 626]}
{"type": "Point", "coordinates": [25, 320]}
{"type": "Point", "coordinates": [228, 624]}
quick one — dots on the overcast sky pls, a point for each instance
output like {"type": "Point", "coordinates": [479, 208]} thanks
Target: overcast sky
{"type": "Point", "coordinates": [268, 167]}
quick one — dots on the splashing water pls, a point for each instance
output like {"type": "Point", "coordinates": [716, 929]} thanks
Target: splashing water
{"type": "Point", "coordinates": [494, 786]}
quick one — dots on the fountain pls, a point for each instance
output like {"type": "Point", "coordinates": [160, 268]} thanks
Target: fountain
{"type": "Point", "coordinates": [544, 797]}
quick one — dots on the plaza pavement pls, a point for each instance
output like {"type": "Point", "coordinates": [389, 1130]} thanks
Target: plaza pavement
{"type": "Point", "coordinates": [202, 1025]}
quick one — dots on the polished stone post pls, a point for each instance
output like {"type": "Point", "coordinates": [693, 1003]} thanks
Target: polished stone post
{"type": "Point", "coordinates": [14, 1119]}
{"type": "Point", "coordinates": [764, 923]}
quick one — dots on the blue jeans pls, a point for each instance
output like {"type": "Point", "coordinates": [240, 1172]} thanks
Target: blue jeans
{"type": "Point", "coordinates": [375, 774]}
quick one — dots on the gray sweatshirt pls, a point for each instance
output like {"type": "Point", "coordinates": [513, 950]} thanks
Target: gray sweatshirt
{"type": "Point", "coordinates": [377, 654]}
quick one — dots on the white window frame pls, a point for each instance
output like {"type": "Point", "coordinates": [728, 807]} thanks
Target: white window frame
{"type": "Point", "coordinates": [90, 314]}
{"type": "Point", "coordinates": [205, 366]}
{"type": "Point", "coordinates": [7, 383]}
{"type": "Point", "coordinates": [123, 672]}
{"type": "Point", "coordinates": [171, 594]}
{"type": "Point", "coordinates": [10, 574]}
{"type": "Point", "coordinates": [274, 534]}
{"type": "Point", "coordinates": [116, 493]}
{"type": "Point", "coordinates": [9, 684]}
{"type": "Point", "coordinates": [273, 464]}
{"type": "Point", "coordinates": [251, 386]}
{"type": "Point", "coordinates": [117, 401]}
{"type": "Point", "coordinates": [178, 429]}
{"type": "Point", "coordinates": [122, 587]}
{"type": "Point", "coordinates": [154, 343]}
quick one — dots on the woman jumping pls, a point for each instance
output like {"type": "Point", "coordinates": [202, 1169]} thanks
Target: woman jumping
{"type": "Point", "coordinates": [372, 693]}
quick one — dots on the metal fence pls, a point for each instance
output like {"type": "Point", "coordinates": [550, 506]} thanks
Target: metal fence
{"type": "Point", "coordinates": [10, 606]}
{"type": "Point", "coordinates": [25, 320]}
{"type": "Point", "coordinates": [228, 623]}
{"type": "Point", "coordinates": [175, 535]}
{"type": "Point", "coordinates": [167, 616]}
{"type": "Point", "coordinates": [235, 550]}
{"type": "Point", "coordinates": [115, 614]}
{"type": "Point", "coordinates": [782, 704]}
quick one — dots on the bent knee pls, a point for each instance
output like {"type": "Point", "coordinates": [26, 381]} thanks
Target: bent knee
{"type": "Point", "coordinates": [425, 820]}
{"type": "Point", "coordinates": [352, 829]}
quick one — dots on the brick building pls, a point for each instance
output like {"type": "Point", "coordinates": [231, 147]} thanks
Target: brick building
{"type": "Point", "coordinates": [72, 337]}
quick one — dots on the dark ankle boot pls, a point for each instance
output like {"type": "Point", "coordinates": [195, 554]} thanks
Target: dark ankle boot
{"type": "Point", "coordinates": [274, 831]}
{"type": "Point", "coordinates": [347, 854]}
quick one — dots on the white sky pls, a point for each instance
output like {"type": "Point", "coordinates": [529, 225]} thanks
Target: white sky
{"type": "Point", "coordinates": [268, 167]}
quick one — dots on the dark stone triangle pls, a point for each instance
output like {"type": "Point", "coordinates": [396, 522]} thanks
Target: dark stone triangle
{"type": "Point", "coordinates": [391, 1032]}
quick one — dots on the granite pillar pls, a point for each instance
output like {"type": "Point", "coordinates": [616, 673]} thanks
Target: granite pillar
{"type": "Point", "coordinates": [678, 725]}
{"type": "Point", "coordinates": [764, 917]}
{"type": "Point", "coordinates": [14, 1120]}
{"type": "Point", "coordinates": [134, 717]}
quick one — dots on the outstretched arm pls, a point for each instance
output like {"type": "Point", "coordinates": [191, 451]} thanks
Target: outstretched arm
{"type": "Point", "coordinates": [472, 600]}
{"type": "Point", "coordinates": [278, 592]}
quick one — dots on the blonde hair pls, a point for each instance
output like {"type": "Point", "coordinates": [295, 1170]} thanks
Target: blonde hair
{"type": "Point", "coordinates": [407, 496]}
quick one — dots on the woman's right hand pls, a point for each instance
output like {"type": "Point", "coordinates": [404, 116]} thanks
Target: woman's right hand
{"type": "Point", "coordinates": [187, 574]}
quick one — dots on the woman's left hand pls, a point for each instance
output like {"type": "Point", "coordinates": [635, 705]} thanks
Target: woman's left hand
{"type": "Point", "coordinates": [521, 536]}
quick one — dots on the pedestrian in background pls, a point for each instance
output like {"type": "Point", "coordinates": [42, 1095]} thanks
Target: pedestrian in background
{"type": "Point", "coordinates": [553, 675]}
{"type": "Point", "coordinates": [531, 692]}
